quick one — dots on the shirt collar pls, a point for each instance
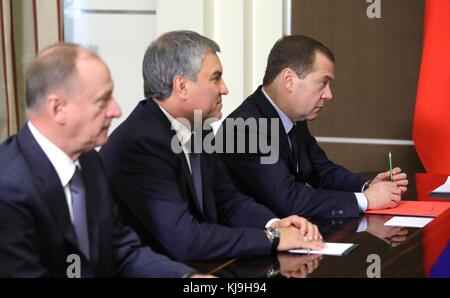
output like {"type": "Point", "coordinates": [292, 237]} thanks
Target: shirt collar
{"type": "Point", "coordinates": [287, 123]}
{"type": "Point", "coordinates": [182, 132]}
{"type": "Point", "coordinates": [63, 164]}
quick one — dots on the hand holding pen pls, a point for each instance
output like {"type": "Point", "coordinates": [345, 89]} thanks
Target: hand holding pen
{"type": "Point", "coordinates": [386, 188]}
{"type": "Point", "coordinates": [394, 175]}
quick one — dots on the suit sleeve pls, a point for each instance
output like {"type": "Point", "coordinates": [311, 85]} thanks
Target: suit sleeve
{"type": "Point", "coordinates": [277, 188]}
{"type": "Point", "coordinates": [235, 208]}
{"type": "Point", "coordinates": [326, 174]}
{"type": "Point", "coordinates": [135, 260]}
{"type": "Point", "coordinates": [147, 184]}
{"type": "Point", "coordinates": [18, 238]}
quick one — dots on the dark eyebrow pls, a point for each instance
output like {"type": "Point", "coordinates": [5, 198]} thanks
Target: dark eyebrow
{"type": "Point", "coordinates": [216, 74]}
{"type": "Point", "coordinates": [104, 96]}
{"type": "Point", "coordinates": [328, 78]}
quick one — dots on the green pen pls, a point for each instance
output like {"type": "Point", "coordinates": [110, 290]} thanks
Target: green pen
{"type": "Point", "coordinates": [390, 165]}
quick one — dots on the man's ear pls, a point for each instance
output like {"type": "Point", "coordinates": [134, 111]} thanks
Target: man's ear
{"type": "Point", "coordinates": [56, 107]}
{"type": "Point", "coordinates": [180, 87]}
{"type": "Point", "coordinates": [288, 77]}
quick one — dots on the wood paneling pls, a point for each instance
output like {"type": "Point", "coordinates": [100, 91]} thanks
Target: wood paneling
{"type": "Point", "coordinates": [377, 68]}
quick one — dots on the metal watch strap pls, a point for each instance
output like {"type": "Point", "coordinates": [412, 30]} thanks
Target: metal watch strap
{"type": "Point", "coordinates": [274, 236]}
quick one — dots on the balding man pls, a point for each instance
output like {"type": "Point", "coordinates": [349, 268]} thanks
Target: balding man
{"type": "Point", "coordinates": [57, 218]}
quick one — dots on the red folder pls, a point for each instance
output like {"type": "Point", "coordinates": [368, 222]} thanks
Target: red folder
{"type": "Point", "coordinates": [415, 208]}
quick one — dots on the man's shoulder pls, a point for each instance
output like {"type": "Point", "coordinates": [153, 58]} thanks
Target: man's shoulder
{"type": "Point", "coordinates": [9, 153]}
{"type": "Point", "coordinates": [249, 108]}
{"type": "Point", "coordinates": [14, 168]}
{"type": "Point", "coordinates": [143, 120]}
{"type": "Point", "coordinates": [140, 126]}
{"type": "Point", "coordinates": [145, 131]}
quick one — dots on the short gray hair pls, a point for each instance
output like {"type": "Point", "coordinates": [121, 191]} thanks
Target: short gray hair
{"type": "Point", "coordinates": [54, 67]}
{"type": "Point", "coordinates": [174, 53]}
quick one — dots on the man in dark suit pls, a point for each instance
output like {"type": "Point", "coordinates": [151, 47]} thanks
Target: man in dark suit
{"type": "Point", "coordinates": [300, 179]}
{"type": "Point", "coordinates": [178, 198]}
{"type": "Point", "coordinates": [57, 217]}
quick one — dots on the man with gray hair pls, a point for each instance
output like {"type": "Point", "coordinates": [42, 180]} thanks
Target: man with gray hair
{"type": "Point", "coordinates": [178, 198]}
{"type": "Point", "coordinates": [57, 217]}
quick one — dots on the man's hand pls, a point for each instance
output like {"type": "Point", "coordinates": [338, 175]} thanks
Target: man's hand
{"type": "Point", "coordinates": [291, 238]}
{"type": "Point", "coordinates": [393, 236]}
{"type": "Point", "coordinates": [203, 276]}
{"type": "Point", "coordinates": [382, 195]}
{"type": "Point", "coordinates": [306, 228]}
{"type": "Point", "coordinates": [297, 266]}
{"type": "Point", "coordinates": [400, 179]}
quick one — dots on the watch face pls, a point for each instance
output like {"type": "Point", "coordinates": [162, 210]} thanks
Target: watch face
{"type": "Point", "coordinates": [272, 273]}
{"type": "Point", "coordinates": [276, 233]}
{"type": "Point", "coordinates": [273, 233]}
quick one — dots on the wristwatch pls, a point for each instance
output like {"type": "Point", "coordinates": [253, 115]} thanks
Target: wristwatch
{"type": "Point", "coordinates": [273, 272]}
{"type": "Point", "coordinates": [274, 236]}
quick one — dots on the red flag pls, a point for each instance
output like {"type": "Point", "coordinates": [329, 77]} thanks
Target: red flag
{"type": "Point", "coordinates": [431, 132]}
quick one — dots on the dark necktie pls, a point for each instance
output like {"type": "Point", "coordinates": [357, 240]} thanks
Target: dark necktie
{"type": "Point", "coordinates": [196, 172]}
{"type": "Point", "coordinates": [294, 149]}
{"type": "Point", "coordinates": [79, 212]}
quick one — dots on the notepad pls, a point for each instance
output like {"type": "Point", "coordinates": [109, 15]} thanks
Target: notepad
{"type": "Point", "coordinates": [442, 191]}
{"type": "Point", "coordinates": [408, 221]}
{"type": "Point", "coordinates": [415, 208]}
{"type": "Point", "coordinates": [331, 248]}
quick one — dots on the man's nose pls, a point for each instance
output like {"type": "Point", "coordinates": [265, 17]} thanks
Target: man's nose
{"type": "Point", "coordinates": [114, 110]}
{"type": "Point", "coordinates": [327, 95]}
{"type": "Point", "coordinates": [223, 88]}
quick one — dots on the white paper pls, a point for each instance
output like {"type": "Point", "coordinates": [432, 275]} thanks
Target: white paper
{"type": "Point", "coordinates": [408, 221]}
{"type": "Point", "coordinates": [331, 248]}
{"type": "Point", "coordinates": [444, 188]}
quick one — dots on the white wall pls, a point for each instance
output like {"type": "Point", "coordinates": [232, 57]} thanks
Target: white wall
{"type": "Point", "coordinates": [119, 38]}
{"type": "Point", "coordinates": [179, 15]}
{"type": "Point", "coordinates": [245, 30]}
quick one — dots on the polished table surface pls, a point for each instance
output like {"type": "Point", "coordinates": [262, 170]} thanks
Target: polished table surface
{"type": "Point", "coordinates": [382, 250]}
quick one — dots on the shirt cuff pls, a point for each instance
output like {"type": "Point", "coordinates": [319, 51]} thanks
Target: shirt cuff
{"type": "Point", "coordinates": [270, 222]}
{"type": "Point", "coordinates": [362, 201]}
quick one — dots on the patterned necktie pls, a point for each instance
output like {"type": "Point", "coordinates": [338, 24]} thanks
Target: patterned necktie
{"type": "Point", "coordinates": [196, 172]}
{"type": "Point", "coordinates": [79, 212]}
{"type": "Point", "coordinates": [294, 149]}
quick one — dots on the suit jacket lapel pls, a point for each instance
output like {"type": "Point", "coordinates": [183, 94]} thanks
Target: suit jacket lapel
{"type": "Point", "coordinates": [169, 133]}
{"type": "Point", "coordinates": [268, 111]}
{"type": "Point", "coordinates": [303, 161]}
{"type": "Point", "coordinates": [301, 154]}
{"type": "Point", "coordinates": [48, 183]}
{"type": "Point", "coordinates": [190, 181]}
{"type": "Point", "coordinates": [93, 206]}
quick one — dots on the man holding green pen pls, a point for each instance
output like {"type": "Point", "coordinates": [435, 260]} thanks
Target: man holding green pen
{"type": "Point", "coordinates": [302, 180]}
{"type": "Point", "coordinates": [390, 166]}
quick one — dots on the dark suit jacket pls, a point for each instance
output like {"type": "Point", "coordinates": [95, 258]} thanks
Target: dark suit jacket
{"type": "Point", "coordinates": [157, 194]}
{"type": "Point", "coordinates": [36, 233]}
{"type": "Point", "coordinates": [278, 185]}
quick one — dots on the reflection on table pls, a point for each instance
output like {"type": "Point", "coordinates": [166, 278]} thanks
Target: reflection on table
{"type": "Point", "coordinates": [401, 252]}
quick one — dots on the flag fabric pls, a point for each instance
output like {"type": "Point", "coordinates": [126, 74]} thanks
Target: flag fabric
{"type": "Point", "coordinates": [431, 131]}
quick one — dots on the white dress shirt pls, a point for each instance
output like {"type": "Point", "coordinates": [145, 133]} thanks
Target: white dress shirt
{"type": "Point", "coordinates": [62, 163]}
{"type": "Point", "coordinates": [183, 134]}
